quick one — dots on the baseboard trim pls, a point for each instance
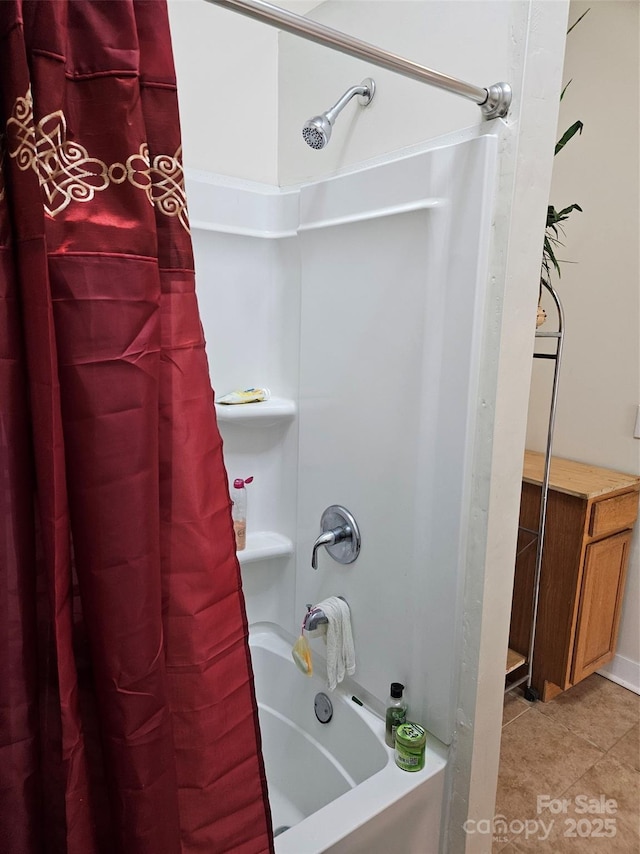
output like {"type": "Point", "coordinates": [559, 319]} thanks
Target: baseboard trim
{"type": "Point", "coordinates": [624, 672]}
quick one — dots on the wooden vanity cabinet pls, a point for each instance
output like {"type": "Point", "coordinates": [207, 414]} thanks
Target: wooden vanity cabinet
{"type": "Point", "coordinates": [590, 516]}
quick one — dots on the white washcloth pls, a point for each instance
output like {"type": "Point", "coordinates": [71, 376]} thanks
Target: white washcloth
{"type": "Point", "coordinates": [341, 656]}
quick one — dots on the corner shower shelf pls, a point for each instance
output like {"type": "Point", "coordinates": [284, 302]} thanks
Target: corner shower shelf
{"type": "Point", "coordinates": [264, 413]}
{"type": "Point", "coordinates": [265, 544]}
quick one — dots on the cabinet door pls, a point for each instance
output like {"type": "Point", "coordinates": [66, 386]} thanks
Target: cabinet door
{"type": "Point", "coordinates": [602, 588]}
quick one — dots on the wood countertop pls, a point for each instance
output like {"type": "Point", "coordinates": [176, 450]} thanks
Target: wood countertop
{"type": "Point", "coordinates": [579, 479]}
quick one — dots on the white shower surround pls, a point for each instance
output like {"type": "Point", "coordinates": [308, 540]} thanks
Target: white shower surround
{"type": "Point", "coordinates": [361, 297]}
{"type": "Point", "coordinates": [523, 42]}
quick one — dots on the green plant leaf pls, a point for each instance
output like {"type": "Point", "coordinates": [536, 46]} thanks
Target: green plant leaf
{"type": "Point", "coordinates": [550, 255]}
{"type": "Point", "coordinates": [575, 23]}
{"type": "Point", "coordinates": [575, 128]}
{"type": "Point", "coordinates": [565, 88]}
{"type": "Point", "coordinates": [555, 218]}
{"type": "Point", "coordinates": [564, 213]}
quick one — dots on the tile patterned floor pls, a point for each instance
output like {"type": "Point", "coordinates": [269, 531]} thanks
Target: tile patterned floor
{"type": "Point", "coordinates": [569, 776]}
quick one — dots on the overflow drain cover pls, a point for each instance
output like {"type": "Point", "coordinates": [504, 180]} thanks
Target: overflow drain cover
{"type": "Point", "coordinates": [323, 708]}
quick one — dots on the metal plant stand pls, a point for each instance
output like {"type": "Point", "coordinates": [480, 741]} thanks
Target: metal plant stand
{"type": "Point", "coordinates": [514, 660]}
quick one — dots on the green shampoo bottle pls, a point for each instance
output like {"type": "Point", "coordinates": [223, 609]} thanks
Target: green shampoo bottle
{"type": "Point", "coordinates": [396, 712]}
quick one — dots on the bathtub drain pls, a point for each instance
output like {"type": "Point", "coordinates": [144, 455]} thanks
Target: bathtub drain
{"type": "Point", "coordinates": [323, 708]}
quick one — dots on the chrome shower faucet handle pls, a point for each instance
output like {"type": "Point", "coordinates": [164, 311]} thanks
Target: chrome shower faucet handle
{"type": "Point", "coordinates": [340, 535]}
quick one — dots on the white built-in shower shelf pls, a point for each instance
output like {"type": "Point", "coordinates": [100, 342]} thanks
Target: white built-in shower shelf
{"type": "Point", "coordinates": [265, 544]}
{"type": "Point", "coordinates": [277, 409]}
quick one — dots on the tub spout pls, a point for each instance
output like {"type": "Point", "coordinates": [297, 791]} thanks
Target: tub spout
{"type": "Point", "coordinates": [315, 617]}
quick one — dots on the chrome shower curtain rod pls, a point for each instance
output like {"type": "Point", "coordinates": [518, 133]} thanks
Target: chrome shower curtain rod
{"type": "Point", "coordinates": [494, 101]}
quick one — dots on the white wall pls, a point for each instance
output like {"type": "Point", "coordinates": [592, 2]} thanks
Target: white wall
{"type": "Point", "coordinates": [227, 70]}
{"type": "Point", "coordinates": [600, 379]}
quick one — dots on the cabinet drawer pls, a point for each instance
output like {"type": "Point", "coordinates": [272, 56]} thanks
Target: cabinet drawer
{"type": "Point", "coordinates": [613, 514]}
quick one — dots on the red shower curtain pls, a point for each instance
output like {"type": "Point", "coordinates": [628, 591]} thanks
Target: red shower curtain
{"type": "Point", "coordinates": [127, 713]}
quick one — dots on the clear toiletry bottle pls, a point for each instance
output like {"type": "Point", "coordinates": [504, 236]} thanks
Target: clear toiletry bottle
{"type": "Point", "coordinates": [396, 713]}
{"type": "Point", "coordinates": [239, 511]}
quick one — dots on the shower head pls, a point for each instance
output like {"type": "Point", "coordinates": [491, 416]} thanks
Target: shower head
{"type": "Point", "coordinates": [317, 131]}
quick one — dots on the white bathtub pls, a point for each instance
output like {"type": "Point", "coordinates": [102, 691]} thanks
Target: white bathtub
{"type": "Point", "coordinates": [336, 785]}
